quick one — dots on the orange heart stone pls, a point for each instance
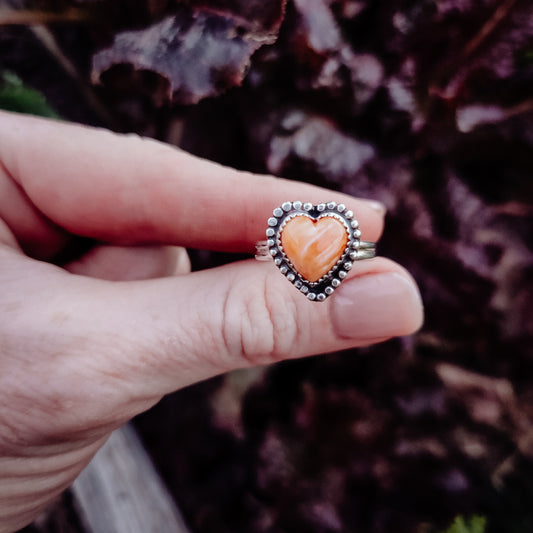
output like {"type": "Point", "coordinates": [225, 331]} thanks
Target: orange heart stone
{"type": "Point", "coordinates": [313, 246]}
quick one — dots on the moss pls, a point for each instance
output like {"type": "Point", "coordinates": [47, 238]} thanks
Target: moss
{"type": "Point", "coordinates": [15, 96]}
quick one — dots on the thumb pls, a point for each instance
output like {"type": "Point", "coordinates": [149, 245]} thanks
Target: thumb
{"type": "Point", "coordinates": [169, 333]}
{"type": "Point", "coordinates": [92, 353]}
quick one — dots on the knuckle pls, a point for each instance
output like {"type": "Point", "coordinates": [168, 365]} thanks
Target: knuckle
{"type": "Point", "coordinates": [261, 327]}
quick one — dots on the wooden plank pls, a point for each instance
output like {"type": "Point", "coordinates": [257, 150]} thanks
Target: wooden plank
{"type": "Point", "coordinates": [121, 492]}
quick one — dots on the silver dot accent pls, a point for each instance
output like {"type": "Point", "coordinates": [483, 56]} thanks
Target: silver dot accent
{"type": "Point", "coordinates": [321, 207]}
{"type": "Point", "coordinates": [297, 205]}
{"type": "Point", "coordinates": [287, 206]}
{"type": "Point", "coordinates": [298, 283]}
{"type": "Point", "coordinates": [304, 289]}
{"type": "Point", "coordinates": [284, 269]}
{"type": "Point", "coordinates": [272, 221]}
{"type": "Point", "coordinates": [354, 224]}
{"type": "Point", "coordinates": [321, 297]}
{"type": "Point", "coordinates": [278, 212]}
{"type": "Point", "coordinates": [278, 261]}
{"type": "Point", "coordinates": [341, 208]}
{"type": "Point", "coordinates": [357, 233]}
{"type": "Point", "coordinates": [308, 206]}
{"type": "Point", "coordinates": [331, 205]}
{"type": "Point", "coordinates": [355, 244]}
{"type": "Point", "coordinates": [291, 276]}
{"type": "Point", "coordinates": [270, 232]}
{"type": "Point", "coordinates": [348, 214]}
{"type": "Point", "coordinates": [271, 242]}
{"type": "Point", "coordinates": [348, 265]}
{"type": "Point", "coordinates": [273, 251]}
{"type": "Point", "coordinates": [342, 274]}
{"type": "Point", "coordinates": [336, 282]}
{"type": "Point", "coordinates": [311, 296]}
{"type": "Point", "coordinates": [329, 290]}
{"type": "Point", "coordinates": [353, 256]}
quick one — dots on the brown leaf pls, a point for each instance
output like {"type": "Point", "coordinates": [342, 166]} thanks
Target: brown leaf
{"type": "Point", "coordinates": [257, 14]}
{"type": "Point", "coordinates": [319, 145]}
{"type": "Point", "coordinates": [200, 53]}
{"type": "Point", "coordinates": [489, 400]}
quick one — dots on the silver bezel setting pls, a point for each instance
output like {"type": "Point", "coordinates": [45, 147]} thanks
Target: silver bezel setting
{"type": "Point", "coordinates": [323, 288]}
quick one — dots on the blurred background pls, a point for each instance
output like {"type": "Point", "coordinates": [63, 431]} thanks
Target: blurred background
{"type": "Point", "coordinates": [425, 105]}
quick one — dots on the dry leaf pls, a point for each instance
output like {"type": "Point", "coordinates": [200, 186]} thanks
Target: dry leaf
{"type": "Point", "coordinates": [200, 53]}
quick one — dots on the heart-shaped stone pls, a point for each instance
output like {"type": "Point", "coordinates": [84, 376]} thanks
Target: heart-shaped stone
{"type": "Point", "coordinates": [313, 246]}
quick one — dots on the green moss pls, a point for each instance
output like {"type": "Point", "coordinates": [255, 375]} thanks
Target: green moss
{"type": "Point", "coordinates": [474, 524]}
{"type": "Point", "coordinates": [15, 96]}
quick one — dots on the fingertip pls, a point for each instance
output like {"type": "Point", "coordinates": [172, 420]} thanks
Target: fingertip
{"type": "Point", "coordinates": [376, 205]}
{"type": "Point", "coordinates": [385, 304]}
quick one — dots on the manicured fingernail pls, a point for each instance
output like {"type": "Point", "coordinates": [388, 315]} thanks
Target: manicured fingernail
{"type": "Point", "coordinates": [376, 206]}
{"type": "Point", "coordinates": [377, 305]}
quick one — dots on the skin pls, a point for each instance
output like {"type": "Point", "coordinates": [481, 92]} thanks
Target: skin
{"type": "Point", "coordinates": [86, 345]}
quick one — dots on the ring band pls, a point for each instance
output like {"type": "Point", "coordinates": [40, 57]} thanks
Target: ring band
{"type": "Point", "coordinates": [367, 250]}
{"type": "Point", "coordinates": [314, 246]}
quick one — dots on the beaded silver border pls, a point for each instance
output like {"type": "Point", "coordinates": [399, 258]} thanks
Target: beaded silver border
{"type": "Point", "coordinates": [355, 249]}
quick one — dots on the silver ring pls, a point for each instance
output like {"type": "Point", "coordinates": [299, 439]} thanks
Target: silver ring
{"type": "Point", "coordinates": [314, 246]}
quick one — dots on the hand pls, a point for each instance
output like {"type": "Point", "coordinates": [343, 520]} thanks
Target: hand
{"type": "Point", "coordinates": [89, 344]}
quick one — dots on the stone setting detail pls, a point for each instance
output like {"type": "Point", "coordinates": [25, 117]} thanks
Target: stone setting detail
{"type": "Point", "coordinates": [313, 245]}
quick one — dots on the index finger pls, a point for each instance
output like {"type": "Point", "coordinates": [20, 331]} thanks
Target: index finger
{"type": "Point", "coordinates": [125, 189]}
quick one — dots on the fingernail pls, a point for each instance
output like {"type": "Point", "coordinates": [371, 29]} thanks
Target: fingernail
{"type": "Point", "coordinates": [376, 206]}
{"type": "Point", "coordinates": [377, 305]}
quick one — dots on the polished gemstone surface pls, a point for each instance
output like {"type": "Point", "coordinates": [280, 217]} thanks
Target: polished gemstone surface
{"type": "Point", "coordinates": [314, 246]}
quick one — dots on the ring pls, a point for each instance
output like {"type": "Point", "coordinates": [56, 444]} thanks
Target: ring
{"type": "Point", "coordinates": [314, 246]}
